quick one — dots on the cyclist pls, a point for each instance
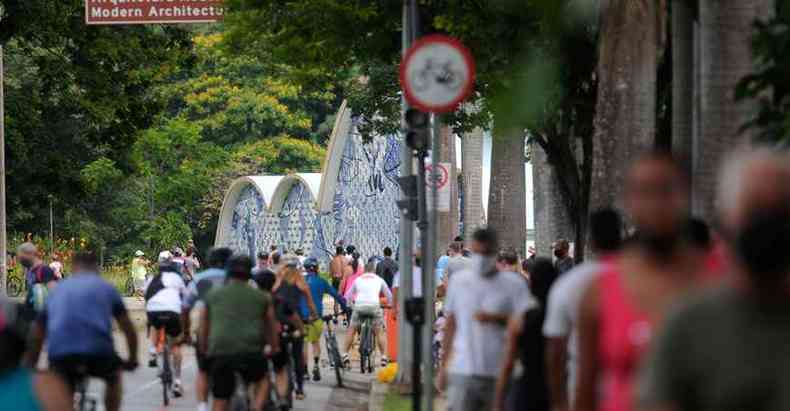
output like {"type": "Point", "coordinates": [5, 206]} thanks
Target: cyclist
{"type": "Point", "coordinates": [210, 279]}
{"type": "Point", "coordinates": [77, 325]}
{"type": "Point", "coordinates": [21, 389]}
{"type": "Point", "coordinates": [292, 288]}
{"type": "Point", "coordinates": [365, 294]}
{"type": "Point", "coordinates": [238, 328]}
{"type": "Point", "coordinates": [318, 288]}
{"type": "Point", "coordinates": [163, 304]}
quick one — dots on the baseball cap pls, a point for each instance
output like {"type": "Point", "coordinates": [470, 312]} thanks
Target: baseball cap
{"type": "Point", "coordinates": [139, 253]}
{"type": "Point", "coordinates": [165, 257]}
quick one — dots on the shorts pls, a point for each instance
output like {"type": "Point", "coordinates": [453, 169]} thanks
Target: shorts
{"type": "Point", "coordinates": [74, 368]}
{"type": "Point", "coordinates": [252, 367]}
{"type": "Point", "coordinates": [280, 360]}
{"type": "Point", "coordinates": [203, 362]}
{"type": "Point", "coordinates": [364, 311]}
{"type": "Point", "coordinates": [467, 393]}
{"type": "Point", "coordinates": [170, 321]}
{"type": "Point", "coordinates": [313, 331]}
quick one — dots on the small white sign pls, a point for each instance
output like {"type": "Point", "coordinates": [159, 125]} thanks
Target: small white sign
{"type": "Point", "coordinates": [442, 183]}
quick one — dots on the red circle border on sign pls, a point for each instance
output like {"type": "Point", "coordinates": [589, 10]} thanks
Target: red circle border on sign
{"type": "Point", "coordinates": [470, 62]}
{"type": "Point", "coordinates": [442, 171]}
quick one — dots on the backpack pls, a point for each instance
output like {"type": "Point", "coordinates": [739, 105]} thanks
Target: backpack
{"type": "Point", "coordinates": [154, 287]}
{"type": "Point", "coordinates": [37, 297]}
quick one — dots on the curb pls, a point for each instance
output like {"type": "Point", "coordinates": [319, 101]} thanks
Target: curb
{"type": "Point", "coordinates": [378, 391]}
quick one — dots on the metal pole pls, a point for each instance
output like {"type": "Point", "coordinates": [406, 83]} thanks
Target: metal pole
{"type": "Point", "coordinates": [429, 263]}
{"type": "Point", "coordinates": [3, 240]}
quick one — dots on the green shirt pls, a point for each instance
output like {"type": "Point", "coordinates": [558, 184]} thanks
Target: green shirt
{"type": "Point", "coordinates": [236, 314]}
{"type": "Point", "coordinates": [721, 352]}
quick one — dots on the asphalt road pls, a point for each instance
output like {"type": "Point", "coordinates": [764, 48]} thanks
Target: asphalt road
{"type": "Point", "coordinates": [143, 390]}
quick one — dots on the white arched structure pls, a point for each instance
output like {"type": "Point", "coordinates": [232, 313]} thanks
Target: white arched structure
{"type": "Point", "coordinates": [352, 201]}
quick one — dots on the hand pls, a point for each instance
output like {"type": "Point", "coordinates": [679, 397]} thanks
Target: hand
{"type": "Point", "coordinates": [484, 317]}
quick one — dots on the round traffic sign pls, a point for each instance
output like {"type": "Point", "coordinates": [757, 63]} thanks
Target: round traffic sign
{"type": "Point", "coordinates": [437, 74]}
{"type": "Point", "coordinates": [442, 176]}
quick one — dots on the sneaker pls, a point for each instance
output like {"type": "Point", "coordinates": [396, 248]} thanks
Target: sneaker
{"type": "Point", "coordinates": [177, 390]}
{"type": "Point", "coordinates": [316, 374]}
{"type": "Point", "coordinates": [152, 360]}
{"type": "Point", "coordinates": [300, 395]}
{"type": "Point", "coordinates": [384, 362]}
{"type": "Point", "coordinates": [346, 361]}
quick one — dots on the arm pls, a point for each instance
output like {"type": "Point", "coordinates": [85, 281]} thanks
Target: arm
{"type": "Point", "coordinates": [127, 328]}
{"type": "Point", "coordinates": [205, 324]}
{"type": "Point", "coordinates": [586, 386]}
{"type": "Point", "coordinates": [514, 330]}
{"type": "Point", "coordinates": [447, 343]}
{"type": "Point", "coordinates": [270, 335]}
{"type": "Point", "coordinates": [386, 291]}
{"type": "Point", "coordinates": [350, 292]}
{"type": "Point", "coordinates": [331, 291]}
{"type": "Point", "coordinates": [492, 318]}
{"type": "Point", "coordinates": [556, 359]}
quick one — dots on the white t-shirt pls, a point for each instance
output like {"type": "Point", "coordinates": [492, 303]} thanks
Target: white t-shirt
{"type": "Point", "coordinates": [562, 313]}
{"type": "Point", "coordinates": [477, 347]}
{"type": "Point", "coordinates": [416, 285]}
{"type": "Point", "coordinates": [367, 288]}
{"type": "Point", "coordinates": [168, 298]}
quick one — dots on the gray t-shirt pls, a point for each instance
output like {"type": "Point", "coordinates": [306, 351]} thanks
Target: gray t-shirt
{"type": "Point", "coordinates": [562, 312]}
{"type": "Point", "coordinates": [456, 265]}
{"type": "Point", "coordinates": [478, 347]}
{"type": "Point", "coordinates": [721, 352]}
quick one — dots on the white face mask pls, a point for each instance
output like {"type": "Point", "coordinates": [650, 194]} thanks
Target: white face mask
{"type": "Point", "coordinates": [484, 265]}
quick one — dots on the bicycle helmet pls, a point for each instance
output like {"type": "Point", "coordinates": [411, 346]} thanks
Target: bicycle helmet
{"type": "Point", "coordinates": [311, 264]}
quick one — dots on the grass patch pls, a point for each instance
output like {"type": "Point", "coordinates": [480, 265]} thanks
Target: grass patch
{"type": "Point", "coordinates": [396, 402]}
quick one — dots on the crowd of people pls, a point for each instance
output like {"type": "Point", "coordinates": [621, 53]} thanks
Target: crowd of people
{"type": "Point", "coordinates": [665, 314]}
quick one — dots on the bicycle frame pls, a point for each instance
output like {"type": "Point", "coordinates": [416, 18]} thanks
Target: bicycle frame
{"type": "Point", "coordinates": [332, 350]}
{"type": "Point", "coordinates": [165, 373]}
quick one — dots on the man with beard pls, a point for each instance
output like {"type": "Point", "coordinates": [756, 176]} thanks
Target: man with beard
{"type": "Point", "coordinates": [39, 278]}
{"type": "Point", "coordinates": [626, 302]}
{"type": "Point", "coordinates": [727, 350]}
{"type": "Point", "coordinates": [479, 302]}
{"type": "Point", "coordinates": [564, 262]}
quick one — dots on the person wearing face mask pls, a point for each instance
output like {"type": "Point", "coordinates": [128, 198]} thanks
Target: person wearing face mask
{"type": "Point", "coordinates": [727, 349]}
{"type": "Point", "coordinates": [39, 279]}
{"type": "Point", "coordinates": [479, 302]}
{"type": "Point", "coordinates": [564, 261]}
{"type": "Point", "coordinates": [622, 307]}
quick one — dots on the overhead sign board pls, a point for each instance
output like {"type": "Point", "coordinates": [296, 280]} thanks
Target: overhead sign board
{"type": "Point", "coordinates": [437, 74]}
{"type": "Point", "coordinates": [152, 11]}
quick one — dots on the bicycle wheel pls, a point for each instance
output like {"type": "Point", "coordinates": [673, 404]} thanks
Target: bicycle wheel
{"type": "Point", "coordinates": [334, 357]}
{"type": "Point", "coordinates": [363, 346]}
{"type": "Point", "coordinates": [14, 287]}
{"type": "Point", "coordinates": [166, 376]}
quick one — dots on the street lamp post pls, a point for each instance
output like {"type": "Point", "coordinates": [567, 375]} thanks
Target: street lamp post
{"type": "Point", "coordinates": [3, 242]}
{"type": "Point", "coordinates": [51, 227]}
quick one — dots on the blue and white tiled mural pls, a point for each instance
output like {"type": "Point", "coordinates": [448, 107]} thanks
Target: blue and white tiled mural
{"type": "Point", "coordinates": [363, 213]}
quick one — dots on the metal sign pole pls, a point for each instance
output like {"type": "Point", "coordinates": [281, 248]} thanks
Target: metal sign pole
{"type": "Point", "coordinates": [3, 240]}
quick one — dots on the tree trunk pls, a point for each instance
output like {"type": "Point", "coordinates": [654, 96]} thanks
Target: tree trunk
{"type": "Point", "coordinates": [726, 57]}
{"type": "Point", "coordinates": [507, 197]}
{"type": "Point", "coordinates": [625, 113]}
{"type": "Point", "coordinates": [472, 169]}
{"type": "Point", "coordinates": [551, 215]}
{"type": "Point", "coordinates": [682, 79]}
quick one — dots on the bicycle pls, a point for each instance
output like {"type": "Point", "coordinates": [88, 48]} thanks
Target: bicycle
{"type": "Point", "coordinates": [440, 74]}
{"type": "Point", "coordinates": [15, 286]}
{"type": "Point", "coordinates": [165, 371]}
{"type": "Point", "coordinates": [82, 402]}
{"type": "Point", "coordinates": [332, 350]}
{"type": "Point", "coordinates": [367, 343]}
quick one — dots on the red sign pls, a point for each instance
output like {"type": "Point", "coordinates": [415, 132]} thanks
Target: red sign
{"type": "Point", "coordinates": [152, 11]}
{"type": "Point", "coordinates": [437, 74]}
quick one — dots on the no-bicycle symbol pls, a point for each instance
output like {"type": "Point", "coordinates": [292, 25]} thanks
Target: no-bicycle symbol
{"type": "Point", "coordinates": [442, 176]}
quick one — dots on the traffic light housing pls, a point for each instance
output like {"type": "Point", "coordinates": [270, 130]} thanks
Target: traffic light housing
{"type": "Point", "coordinates": [409, 205]}
{"type": "Point", "coordinates": [418, 135]}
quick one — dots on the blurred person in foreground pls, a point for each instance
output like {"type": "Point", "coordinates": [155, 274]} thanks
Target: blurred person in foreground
{"type": "Point", "coordinates": [525, 343]}
{"type": "Point", "coordinates": [22, 389]}
{"type": "Point", "coordinates": [627, 301]}
{"type": "Point", "coordinates": [562, 310]}
{"type": "Point", "coordinates": [212, 278]}
{"type": "Point", "coordinates": [77, 326]}
{"type": "Point", "coordinates": [479, 303]}
{"type": "Point", "coordinates": [728, 349]}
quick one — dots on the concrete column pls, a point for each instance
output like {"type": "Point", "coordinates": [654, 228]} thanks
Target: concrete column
{"type": "Point", "coordinates": [551, 218]}
{"type": "Point", "coordinates": [472, 169]}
